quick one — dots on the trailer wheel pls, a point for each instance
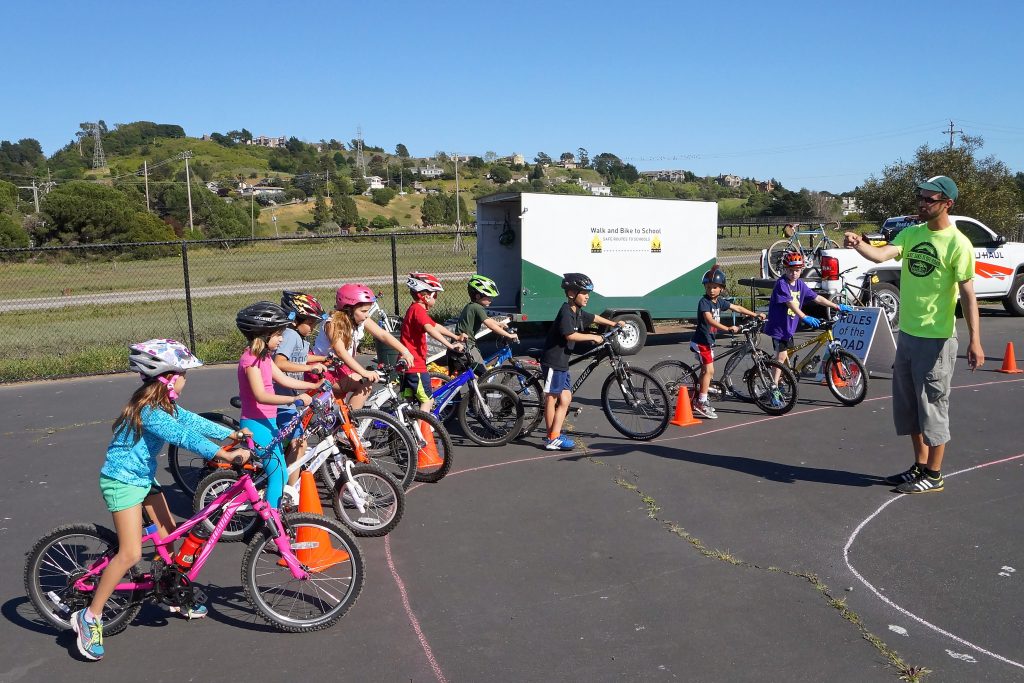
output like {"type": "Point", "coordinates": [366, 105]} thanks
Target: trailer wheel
{"type": "Point", "coordinates": [633, 336]}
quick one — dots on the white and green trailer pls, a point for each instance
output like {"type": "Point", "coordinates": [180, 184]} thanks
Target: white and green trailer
{"type": "Point", "coordinates": [645, 256]}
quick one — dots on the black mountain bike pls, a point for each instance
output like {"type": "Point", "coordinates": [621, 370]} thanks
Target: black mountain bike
{"type": "Point", "coordinates": [634, 400]}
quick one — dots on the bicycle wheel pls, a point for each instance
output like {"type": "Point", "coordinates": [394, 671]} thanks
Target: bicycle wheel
{"type": "Point", "coordinates": [846, 377]}
{"type": "Point", "coordinates": [674, 374]}
{"type": "Point", "coordinates": [189, 468]}
{"type": "Point", "coordinates": [771, 397]}
{"type": "Point", "coordinates": [775, 254]}
{"type": "Point", "coordinates": [61, 558]}
{"type": "Point", "coordinates": [245, 521]}
{"type": "Point", "coordinates": [637, 406]}
{"type": "Point", "coordinates": [317, 602]}
{"type": "Point", "coordinates": [496, 420]}
{"type": "Point", "coordinates": [384, 502]}
{"type": "Point", "coordinates": [527, 387]}
{"type": "Point", "coordinates": [442, 442]}
{"type": "Point", "coordinates": [388, 444]}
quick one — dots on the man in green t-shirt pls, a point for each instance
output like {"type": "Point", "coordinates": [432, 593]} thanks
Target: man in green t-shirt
{"type": "Point", "coordinates": [938, 261]}
{"type": "Point", "coordinates": [482, 291]}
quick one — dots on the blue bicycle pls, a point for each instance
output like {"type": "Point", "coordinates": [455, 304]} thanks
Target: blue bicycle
{"type": "Point", "coordinates": [489, 414]}
{"type": "Point", "coordinates": [521, 376]}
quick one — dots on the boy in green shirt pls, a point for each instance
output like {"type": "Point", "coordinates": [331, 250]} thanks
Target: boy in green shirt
{"type": "Point", "coordinates": [482, 291]}
{"type": "Point", "coordinates": [938, 261]}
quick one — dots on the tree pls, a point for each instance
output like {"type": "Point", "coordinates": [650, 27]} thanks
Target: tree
{"type": "Point", "coordinates": [8, 197]}
{"type": "Point", "coordinates": [383, 196]}
{"type": "Point", "coordinates": [344, 211]}
{"type": "Point", "coordinates": [582, 157]}
{"type": "Point", "coordinates": [321, 214]}
{"type": "Point", "coordinates": [490, 157]}
{"type": "Point", "coordinates": [988, 191]}
{"type": "Point", "coordinates": [567, 156]}
{"type": "Point", "coordinates": [542, 158]}
{"type": "Point", "coordinates": [433, 209]}
{"type": "Point", "coordinates": [380, 222]}
{"type": "Point", "coordinates": [11, 233]}
{"type": "Point", "coordinates": [500, 174]}
{"type": "Point", "coordinates": [359, 185]}
{"type": "Point", "coordinates": [401, 151]}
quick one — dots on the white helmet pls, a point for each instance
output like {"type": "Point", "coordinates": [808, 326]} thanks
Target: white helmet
{"type": "Point", "coordinates": [156, 356]}
{"type": "Point", "coordinates": [424, 282]}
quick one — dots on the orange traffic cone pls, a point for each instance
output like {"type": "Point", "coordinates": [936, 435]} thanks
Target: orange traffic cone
{"type": "Point", "coordinates": [428, 457]}
{"type": "Point", "coordinates": [684, 412]}
{"type": "Point", "coordinates": [1009, 362]}
{"type": "Point", "coordinates": [315, 549]}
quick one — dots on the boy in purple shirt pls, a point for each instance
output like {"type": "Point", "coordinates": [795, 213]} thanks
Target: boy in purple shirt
{"type": "Point", "coordinates": [785, 310]}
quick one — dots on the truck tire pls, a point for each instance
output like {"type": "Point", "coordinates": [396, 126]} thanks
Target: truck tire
{"type": "Point", "coordinates": [633, 336]}
{"type": "Point", "coordinates": [887, 297]}
{"type": "Point", "coordinates": [1014, 301]}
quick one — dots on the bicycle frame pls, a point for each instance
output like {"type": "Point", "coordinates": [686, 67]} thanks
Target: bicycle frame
{"type": "Point", "coordinates": [242, 492]}
{"type": "Point", "coordinates": [822, 339]}
{"type": "Point", "coordinates": [448, 391]}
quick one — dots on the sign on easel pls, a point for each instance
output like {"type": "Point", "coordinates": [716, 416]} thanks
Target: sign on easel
{"type": "Point", "coordinates": [866, 334]}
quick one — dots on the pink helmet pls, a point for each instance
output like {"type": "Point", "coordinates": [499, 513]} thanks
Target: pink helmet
{"type": "Point", "coordinates": [353, 295]}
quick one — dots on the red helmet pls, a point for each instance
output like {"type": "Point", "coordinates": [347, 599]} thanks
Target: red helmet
{"type": "Point", "coordinates": [424, 282]}
{"type": "Point", "coordinates": [300, 304]}
{"type": "Point", "coordinates": [793, 259]}
{"type": "Point", "coordinates": [353, 295]}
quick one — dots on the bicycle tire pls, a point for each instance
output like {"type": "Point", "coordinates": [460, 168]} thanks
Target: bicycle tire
{"type": "Point", "coordinates": [244, 523]}
{"type": "Point", "coordinates": [674, 374]}
{"type": "Point", "coordinates": [385, 503]}
{"type": "Point", "coordinates": [527, 388]}
{"type": "Point", "coordinates": [56, 562]}
{"type": "Point", "coordinates": [388, 443]}
{"type": "Point", "coordinates": [442, 441]}
{"type": "Point", "coordinates": [775, 253]}
{"type": "Point", "coordinates": [647, 399]}
{"type": "Point", "coordinates": [760, 379]}
{"type": "Point", "coordinates": [188, 468]}
{"type": "Point", "coordinates": [505, 422]}
{"type": "Point", "coordinates": [278, 597]}
{"type": "Point", "coordinates": [846, 377]}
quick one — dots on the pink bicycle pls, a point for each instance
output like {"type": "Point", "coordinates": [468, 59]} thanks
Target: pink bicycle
{"type": "Point", "coordinates": [301, 572]}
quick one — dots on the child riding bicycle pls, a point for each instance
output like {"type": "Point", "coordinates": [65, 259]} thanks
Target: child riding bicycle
{"type": "Point", "coordinates": [482, 291]}
{"type": "Point", "coordinates": [417, 324]}
{"type": "Point", "coordinates": [702, 343]}
{"type": "Point", "coordinates": [150, 420]}
{"type": "Point", "coordinates": [785, 309]}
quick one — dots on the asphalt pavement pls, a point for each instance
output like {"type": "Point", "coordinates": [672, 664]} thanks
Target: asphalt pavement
{"type": "Point", "coordinates": [747, 548]}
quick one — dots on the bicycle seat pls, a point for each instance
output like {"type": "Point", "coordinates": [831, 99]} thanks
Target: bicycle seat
{"type": "Point", "coordinates": [534, 353]}
{"type": "Point", "coordinates": [236, 402]}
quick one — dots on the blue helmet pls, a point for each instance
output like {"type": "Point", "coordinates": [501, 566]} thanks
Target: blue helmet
{"type": "Point", "coordinates": [715, 276]}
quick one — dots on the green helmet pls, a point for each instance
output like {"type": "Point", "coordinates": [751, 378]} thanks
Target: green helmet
{"type": "Point", "coordinates": [483, 285]}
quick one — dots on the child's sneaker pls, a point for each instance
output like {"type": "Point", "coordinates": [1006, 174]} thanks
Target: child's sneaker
{"type": "Point", "coordinates": [560, 443]}
{"type": "Point", "coordinates": [777, 398]}
{"type": "Point", "coordinates": [909, 475]}
{"type": "Point", "coordinates": [704, 409]}
{"type": "Point", "coordinates": [197, 612]}
{"type": "Point", "coordinates": [923, 484]}
{"type": "Point", "coordinates": [90, 635]}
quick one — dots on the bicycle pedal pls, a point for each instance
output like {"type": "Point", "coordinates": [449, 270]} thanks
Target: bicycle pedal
{"type": "Point", "coordinates": [198, 596]}
{"type": "Point", "coordinates": [576, 412]}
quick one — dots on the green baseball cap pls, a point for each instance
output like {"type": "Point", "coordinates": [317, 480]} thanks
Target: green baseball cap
{"type": "Point", "coordinates": [940, 183]}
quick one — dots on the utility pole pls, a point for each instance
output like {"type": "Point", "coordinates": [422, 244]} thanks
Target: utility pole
{"type": "Point", "coordinates": [145, 175]}
{"type": "Point", "coordinates": [458, 214]}
{"type": "Point", "coordinates": [35, 195]}
{"type": "Point", "coordinates": [188, 185]}
{"type": "Point", "coordinates": [950, 132]}
{"type": "Point", "coordinates": [252, 212]}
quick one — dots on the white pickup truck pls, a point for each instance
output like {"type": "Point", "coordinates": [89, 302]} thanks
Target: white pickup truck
{"type": "Point", "coordinates": [998, 269]}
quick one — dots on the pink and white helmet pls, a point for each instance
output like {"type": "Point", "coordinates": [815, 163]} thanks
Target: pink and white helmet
{"type": "Point", "coordinates": [353, 295]}
{"type": "Point", "coordinates": [424, 282]}
{"type": "Point", "coordinates": [157, 356]}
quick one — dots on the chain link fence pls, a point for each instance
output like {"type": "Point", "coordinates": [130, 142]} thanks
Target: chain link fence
{"type": "Point", "coordinates": [70, 311]}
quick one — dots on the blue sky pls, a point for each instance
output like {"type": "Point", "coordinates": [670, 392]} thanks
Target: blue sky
{"type": "Point", "coordinates": [818, 95]}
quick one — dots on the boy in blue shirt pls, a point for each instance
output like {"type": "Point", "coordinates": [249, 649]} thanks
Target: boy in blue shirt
{"type": "Point", "coordinates": [709, 314]}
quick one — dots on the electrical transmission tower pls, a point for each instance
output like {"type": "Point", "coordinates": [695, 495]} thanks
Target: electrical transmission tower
{"type": "Point", "coordinates": [99, 159]}
{"type": "Point", "coordinates": [360, 161]}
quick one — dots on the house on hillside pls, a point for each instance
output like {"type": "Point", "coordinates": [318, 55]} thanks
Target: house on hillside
{"type": "Point", "coordinates": [765, 185]}
{"type": "Point", "coordinates": [851, 205]}
{"type": "Point", "coordinates": [373, 182]}
{"type": "Point", "coordinates": [729, 180]}
{"type": "Point", "coordinates": [264, 141]}
{"type": "Point", "coordinates": [429, 172]}
{"type": "Point", "coordinates": [666, 176]}
{"type": "Point", "coordinates": [596, 189]}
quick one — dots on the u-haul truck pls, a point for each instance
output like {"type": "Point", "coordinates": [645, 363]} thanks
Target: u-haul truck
{"type": "Point", "coordinates": [645, 256]}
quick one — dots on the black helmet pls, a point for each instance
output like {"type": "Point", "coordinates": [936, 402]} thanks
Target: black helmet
{"type": "Point", "coordinates": [577, 281]}
{"type": "Point", "coordinates": [260, 318]}
{"type": "Point", "coordinates": [715, 276]}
